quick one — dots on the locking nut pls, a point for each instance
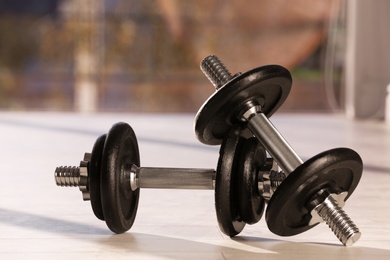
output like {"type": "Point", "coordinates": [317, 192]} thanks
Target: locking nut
{"type": "Point", "coordinates": [318, 202]}
{"type": "Point", "coordinates": [269, 179]}
{"type": "Point", "coordinates": [71, 176]}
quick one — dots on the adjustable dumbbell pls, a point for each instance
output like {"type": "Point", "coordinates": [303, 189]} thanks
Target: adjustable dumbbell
{"type": "Point", "coordinates": [111, 178]}
{"type": "Point", "coordinates": [314, 190]}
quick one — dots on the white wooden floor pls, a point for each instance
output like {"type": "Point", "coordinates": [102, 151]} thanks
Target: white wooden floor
{"type": "Point", "coordinates": [39, 220]}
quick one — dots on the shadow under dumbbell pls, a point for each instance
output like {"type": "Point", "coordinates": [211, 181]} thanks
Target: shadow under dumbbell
{"type": "Point", "coordinates": [184, 248]}
{"type": "Point", "coordinates": [48, 224]}
{"type": "Point", "coordinates": [304, 250]}
{"type": "Point", "coordinates": [178, 248]}
{"type": "Point", "coordinates": [237, 248]}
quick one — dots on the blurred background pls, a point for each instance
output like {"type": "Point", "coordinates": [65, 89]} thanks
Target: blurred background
{"type": "Point", "coordinates": [143, 56]}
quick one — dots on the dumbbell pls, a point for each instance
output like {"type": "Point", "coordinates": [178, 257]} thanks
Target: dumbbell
{"type": "Point", "coordinates": [111, 177]}
{"type": "Point", "coordinates": [313, 191]}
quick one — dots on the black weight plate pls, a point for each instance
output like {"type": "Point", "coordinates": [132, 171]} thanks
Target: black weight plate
{"type": "Point", "coordinates": [252, 157]}
{"type": "Point", "coordinates": [337, 170]}
{"type": "Point", "coordinates": [226, 198]}
{"type": "Point", "coordinates": [267, 86]}
{"type": "Point", "coordinates": [94, 169]}
{"type": "Point", "coordinates": [119, 202]}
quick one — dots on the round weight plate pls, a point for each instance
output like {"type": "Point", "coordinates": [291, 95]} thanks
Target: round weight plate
{"type": "Point", "coordinates": [94, 169]}
{"type": "Point", "coordinates": [226, 198]}
{"type": "Point", "coordinates": [337, 170]}
{"type": "Point", "coordinates": [253, 157]}
{"type": "Point", "coordinates": [267, 86]}
{"type": "Point", "coordinates": [119, 202]}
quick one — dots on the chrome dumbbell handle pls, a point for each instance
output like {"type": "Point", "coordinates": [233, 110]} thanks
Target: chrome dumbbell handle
{"type": "Point", "coordinates": [164, 178]}
{"type": "Point", "coordinates": [273, 141]}
{"type": "Point", "coordinates": [171, 178]}
{"type": "Point", "coordinates": [142, 177]}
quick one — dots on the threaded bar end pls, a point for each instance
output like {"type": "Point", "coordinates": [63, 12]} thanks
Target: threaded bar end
{"type": "Point", "coordinates": [67, 176]}
{"type": "Point", "coordinates": [339, 222]}
{"type": "Point", "coordinates": [215, 71]}
{"type": "Point", "coordinates": [276, 178]}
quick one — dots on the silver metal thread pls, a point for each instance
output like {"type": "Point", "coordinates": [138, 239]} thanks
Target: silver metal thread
{"type": "Point", "coordinates": [67, 176]}
{"type": "Point", "coordinates": [269, 179]}
{"type": "Point", "coordinates": [215, 71]}
{"type": "Point", "coordinates": [338, 221]}
{"type": "Point", "coordinates": [276, 178]}
{"type": "Point", "coordinates": [330, 211]}
{"type": "Point", "coordinates": [72, 176]}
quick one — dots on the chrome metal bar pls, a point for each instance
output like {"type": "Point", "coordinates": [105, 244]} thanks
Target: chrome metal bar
{"type": "Point", "coordinates": [172, 178]}
{"type": "Point", "coordinates": [274, 142]}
